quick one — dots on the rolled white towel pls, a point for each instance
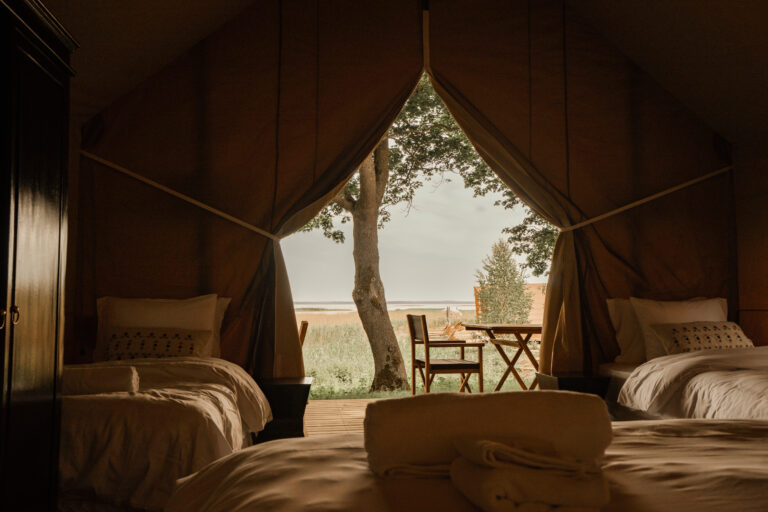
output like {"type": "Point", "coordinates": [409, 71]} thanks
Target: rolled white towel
{"type": "Point", "coordinates": [500, 454]}
{"type": "Point", "coordinates": [415, 436]}
{"type": "Point", "coordinates": [85, 380]}
{"type": "Point", "coordinates": [518, 488]}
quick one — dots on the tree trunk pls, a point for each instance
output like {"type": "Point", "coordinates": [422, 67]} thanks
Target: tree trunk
{"type": "Point", "coordinates": [368, 293]}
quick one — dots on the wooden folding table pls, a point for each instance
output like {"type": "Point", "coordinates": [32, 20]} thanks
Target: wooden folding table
{"type": "Point", "coordinates": [522, 334]}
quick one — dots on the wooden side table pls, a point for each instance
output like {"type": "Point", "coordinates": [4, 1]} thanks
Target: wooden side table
{"type": "Point", "coordinates": [595, 385]}
{"type": "Point", "coordinates": [522, 334]}
{"type": "Point", "coordinates": [288, 400]}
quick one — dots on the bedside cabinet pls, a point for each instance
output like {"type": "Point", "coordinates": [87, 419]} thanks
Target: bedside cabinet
{"type": "Point", "coordinates": [288, 400]}
{"type": "Point", "coordinates": [595, 385]}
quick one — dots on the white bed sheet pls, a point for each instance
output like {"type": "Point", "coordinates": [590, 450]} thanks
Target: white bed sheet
{"type": "Point", "coordinates": [716, 384]}
{"type": "Point", "coordinates": [129, 448]}
{"type": "Point", "coordinates": [652, 466]}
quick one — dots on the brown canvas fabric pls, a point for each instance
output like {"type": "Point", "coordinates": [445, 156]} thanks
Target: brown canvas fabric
{"type": "Point", "coordinates": [576, 130]}
{"type": "Point", "coordinates": [266, 118]}
{"type": "Point", "coordinates": [262, 120]}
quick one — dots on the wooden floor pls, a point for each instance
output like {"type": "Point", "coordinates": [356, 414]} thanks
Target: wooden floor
{"type": "Point", "coordinates": [324, 417]}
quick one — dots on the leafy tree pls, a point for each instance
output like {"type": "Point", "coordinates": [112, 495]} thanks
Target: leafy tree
{"type": "Point", "coordinates": [423, 142]}
{"type": "Point", "coordinates": [502, 294]}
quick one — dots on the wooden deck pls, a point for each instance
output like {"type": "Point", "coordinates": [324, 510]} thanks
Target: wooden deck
{"type": "Point", "coordinates": [324, 417]}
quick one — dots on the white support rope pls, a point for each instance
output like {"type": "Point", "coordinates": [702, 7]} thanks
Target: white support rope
{"type": "Point", "coordinates": [179, 195]}
{"type": "Point", "coordinates": [646, 199]}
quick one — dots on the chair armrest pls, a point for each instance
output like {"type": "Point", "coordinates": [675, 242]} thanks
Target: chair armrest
{"type": "Point", "coordinates": [438, 344]}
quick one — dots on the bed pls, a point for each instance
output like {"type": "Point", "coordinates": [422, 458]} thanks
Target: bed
{"type": "Point", "coordinates": [685, 359]}
{"type": "Point", "coordinates": [718, 384]}
{"type": "Point", "coordinates": [652, 466]}
{"type": "Point", "coordinates": [125, 450]}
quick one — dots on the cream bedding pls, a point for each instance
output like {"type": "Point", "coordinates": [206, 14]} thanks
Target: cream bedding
{"type": "Point", "coordinates": [656, 466]}
{"type": "Point", "coordinates": [717, 384]}
{"type": "Point", "coordinates": [129, 448]}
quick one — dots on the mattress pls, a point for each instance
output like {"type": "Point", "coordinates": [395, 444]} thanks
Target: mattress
{"type": "Point", "coordinates": [652, 466]}
{"type": "Point", "coordinates": [127, 449]}
{"type": "Point", "coordinates": [718, 384]}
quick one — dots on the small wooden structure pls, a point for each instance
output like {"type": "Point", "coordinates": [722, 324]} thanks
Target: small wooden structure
{"type": "Point", "coordinates": [303, 331]}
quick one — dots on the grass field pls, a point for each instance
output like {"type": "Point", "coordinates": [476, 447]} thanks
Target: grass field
{"type": "Point", "coordinates": [338, 357]}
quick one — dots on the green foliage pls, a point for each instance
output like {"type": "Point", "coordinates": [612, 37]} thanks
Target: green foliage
{"type": "Point", "coordinates": [503, 297]}
{"type": "Point", "coordinates": [339, 359]}
{"type": "Point", "coordinates": [426, 142]}
{"type": "Point", "coordinates": [533, 238]}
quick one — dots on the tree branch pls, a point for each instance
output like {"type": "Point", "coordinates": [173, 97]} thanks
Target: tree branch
{"type": "Point", "coordinates": [345, 200]}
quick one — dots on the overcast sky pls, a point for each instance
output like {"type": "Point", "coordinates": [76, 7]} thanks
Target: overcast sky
{"type": "Point", "coordinates": [429, 254]}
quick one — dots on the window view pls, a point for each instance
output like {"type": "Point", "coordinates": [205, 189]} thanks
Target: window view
{"type": "Point", "coordinates": [424, 227]}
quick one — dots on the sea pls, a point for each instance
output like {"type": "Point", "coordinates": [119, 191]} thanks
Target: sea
{"type": "Point", "coordinates": [393, 305]}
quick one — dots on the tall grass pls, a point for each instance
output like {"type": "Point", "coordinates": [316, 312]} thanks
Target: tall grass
{"type": "Point", "coordinates": [338, 357]}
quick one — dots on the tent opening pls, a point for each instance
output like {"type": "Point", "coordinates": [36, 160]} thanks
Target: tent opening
{"type": "Point", "coordinates": [423, 226]}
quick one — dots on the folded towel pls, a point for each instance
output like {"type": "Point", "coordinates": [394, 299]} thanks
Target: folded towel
{"type": "Point", "coordinates": [501, 454]}
{"type": "Point", "coordinates": [415, 436]}
{"type": "Point", "coordinates": [519, 488]}
{"type": "Point", "coordinates": [84, 380]}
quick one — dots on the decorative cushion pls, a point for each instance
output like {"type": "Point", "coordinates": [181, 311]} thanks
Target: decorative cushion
{"type": "Point", "coordinates": [692, 336]}
{"type": "Point", "coordinates": [651, 312]}
{"type": "Point", "coordinates": [142, 342]}
{"type": "Point", "coordinates": [629, 335]}
{"type": "Point", "coordinates": [197, 314]}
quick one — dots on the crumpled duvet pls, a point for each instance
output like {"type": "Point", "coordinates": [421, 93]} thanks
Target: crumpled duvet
{"type": "Point", "coordinates": [716, 384]}
{"type": "Point", "coordinates": [129, 448]}
{"type": "Point", "coordinates": [651, 466]}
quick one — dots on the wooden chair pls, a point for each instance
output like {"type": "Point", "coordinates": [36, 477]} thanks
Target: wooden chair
{"type": "Point", "coordinates": [429, 366]}
{"type": "Point", "coordinates": [303, 331]}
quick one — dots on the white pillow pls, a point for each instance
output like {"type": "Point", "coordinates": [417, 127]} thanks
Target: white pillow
{"type": "Point", "coordinates": [629, 335]}
{"type": "Point", "coordinates": [651, 312]}
{"type": "Point", "coordinates": [197, 314]}
{"type": "Point", "coordinates": [222, 303]}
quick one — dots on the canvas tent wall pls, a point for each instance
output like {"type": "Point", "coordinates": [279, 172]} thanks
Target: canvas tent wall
{"type": "Point", "coordinates": [266, 117]}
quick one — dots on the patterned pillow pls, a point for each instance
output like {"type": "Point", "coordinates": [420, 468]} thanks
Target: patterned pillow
{"type": "Point", "coordinates": [142, 342]}
{"type": "Point", "coordinates": [692, 336]}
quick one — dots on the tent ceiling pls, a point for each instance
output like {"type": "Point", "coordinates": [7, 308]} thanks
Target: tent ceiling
{"type": "Point", "coordinates": [123, 43]}
{"type": "Point", "coordinates": [711, 54]}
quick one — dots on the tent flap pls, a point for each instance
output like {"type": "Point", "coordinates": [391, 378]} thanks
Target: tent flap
{"type": "Point", "coordinates": [267, 117]}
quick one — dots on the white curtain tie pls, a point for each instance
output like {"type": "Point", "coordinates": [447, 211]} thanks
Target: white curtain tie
{"type": "Point", "coordinates": [179, 195]}
{"type": "Point", "coordinates": [646, 199]}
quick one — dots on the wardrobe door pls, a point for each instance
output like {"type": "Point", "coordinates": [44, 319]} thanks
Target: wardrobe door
{"type": "Point", "coordinates": [40, 156]}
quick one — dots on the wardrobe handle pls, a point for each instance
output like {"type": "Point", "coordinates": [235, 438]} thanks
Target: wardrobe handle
{"type": "Point", "coordinates": [3, 314]}
{"type": "Point", "coordinates": [15, 315]}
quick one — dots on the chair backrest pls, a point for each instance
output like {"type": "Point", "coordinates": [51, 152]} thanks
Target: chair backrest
{"type": "Point", "coordinates": [417, 326]}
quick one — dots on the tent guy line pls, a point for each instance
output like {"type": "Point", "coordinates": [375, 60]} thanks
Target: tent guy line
{"type": "Point", "coordinates": [648, 199]}
{"type": "Point", "coordinates": [267, 234]}
{"type": "Point", "coordinates": [183, 197]}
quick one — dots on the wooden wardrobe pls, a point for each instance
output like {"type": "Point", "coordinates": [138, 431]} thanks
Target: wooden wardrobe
{"type": "Point", "coordinates": [34, 107]}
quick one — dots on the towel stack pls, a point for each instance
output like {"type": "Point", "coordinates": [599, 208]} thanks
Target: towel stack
{"type": "Point", "coordinates": [517, 451]}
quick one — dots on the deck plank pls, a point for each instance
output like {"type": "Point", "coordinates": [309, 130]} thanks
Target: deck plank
{"type": "Point", "coordinates": [324, 417]}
